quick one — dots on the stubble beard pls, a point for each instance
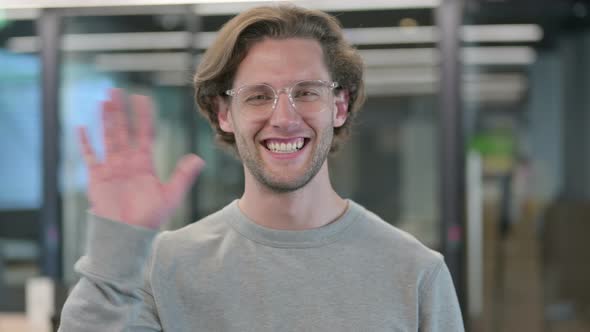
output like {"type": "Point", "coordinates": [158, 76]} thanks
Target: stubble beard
{"type": "Point", "coordinates": [253, 161]}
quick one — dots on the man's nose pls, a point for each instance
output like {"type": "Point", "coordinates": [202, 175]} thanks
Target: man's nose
{"type": "Point", "coordinates": [284, 115]}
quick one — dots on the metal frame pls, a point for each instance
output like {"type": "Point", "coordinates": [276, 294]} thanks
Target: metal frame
{"type": "Point", "coordinates": [49, 27]}
{"type": "Point", "coordinates": [193, 26]}
{"type": "Point", "coordinates": [452, 145]}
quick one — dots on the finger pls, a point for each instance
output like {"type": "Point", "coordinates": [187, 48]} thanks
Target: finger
{"type": "Point", "coordinates": [120, 125]}
{"type": "Point", "coordinates": [187, 170]}
{"type": "Point", "coordinates": [87, 151]}
{"type": "Point", "coordinates": [108, 129]}
{"type": "Point", "coordinates": [143, 109]}
{"type": "Point", "coordinates": [115, 128]}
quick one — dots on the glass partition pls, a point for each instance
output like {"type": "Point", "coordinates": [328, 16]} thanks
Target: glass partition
{"type": "Point", "coordinates": [20, 165]}
{"type": "Point", "coordinates": [143, 50]}
{"type": "Point", "coordinates": [390, 163]}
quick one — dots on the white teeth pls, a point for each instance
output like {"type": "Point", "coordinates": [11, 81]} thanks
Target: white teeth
{"type": "Point", "coordinates": [285, 147]}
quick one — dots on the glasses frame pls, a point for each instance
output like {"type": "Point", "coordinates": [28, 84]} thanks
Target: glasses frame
{"type": "Point", "coordinates": [287, 90]}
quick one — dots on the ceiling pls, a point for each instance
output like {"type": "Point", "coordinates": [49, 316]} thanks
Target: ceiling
{"type": "Point", "coordinates": [416, 59]}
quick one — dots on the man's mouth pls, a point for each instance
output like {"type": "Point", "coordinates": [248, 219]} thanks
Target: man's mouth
{"type": "Point", "coordinates": [285, 145]}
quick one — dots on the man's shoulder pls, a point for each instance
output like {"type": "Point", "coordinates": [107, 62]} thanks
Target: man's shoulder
{"type": "Point", "coordinates": [393, 242]}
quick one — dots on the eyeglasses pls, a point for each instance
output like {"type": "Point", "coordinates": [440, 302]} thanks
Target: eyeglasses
{"type": "Point", "coordinates": [306, 97]}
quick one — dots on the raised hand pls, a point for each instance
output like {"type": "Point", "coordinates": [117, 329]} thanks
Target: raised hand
{"type": "Point", "coordinates": [124, 186]}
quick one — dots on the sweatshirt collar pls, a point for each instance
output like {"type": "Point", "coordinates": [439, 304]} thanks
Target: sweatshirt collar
{"type": "Point", "coordinates": [308, 238]}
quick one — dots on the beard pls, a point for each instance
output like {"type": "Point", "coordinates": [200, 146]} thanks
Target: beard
{"type": "Point", "coordinates": [253, 161]}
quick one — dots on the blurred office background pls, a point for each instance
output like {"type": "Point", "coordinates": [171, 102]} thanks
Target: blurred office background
{"type": "Point", "coordinates": [508, 160]}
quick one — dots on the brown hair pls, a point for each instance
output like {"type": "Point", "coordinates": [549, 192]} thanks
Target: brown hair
{"type": "Point", "coordinates": [220, 62]}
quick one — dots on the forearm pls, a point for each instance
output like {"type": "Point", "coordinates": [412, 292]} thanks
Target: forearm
{"type": "Point", "coordinates": [110, 295]}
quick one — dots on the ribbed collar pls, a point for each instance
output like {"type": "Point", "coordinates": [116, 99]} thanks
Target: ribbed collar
{"type": "Point", "coordinates": [308, 238]}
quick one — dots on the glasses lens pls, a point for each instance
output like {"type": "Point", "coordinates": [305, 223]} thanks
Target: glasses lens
{"type": "Point", "coordinates": [255, 99]}
{"type": "Point", "coordinates": [311, 96]}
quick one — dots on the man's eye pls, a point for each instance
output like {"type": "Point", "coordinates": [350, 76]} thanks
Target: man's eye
{"type": "Point", "coordinates": [306, 94]}
{"type": "Point", "coordinates": [259, 97]}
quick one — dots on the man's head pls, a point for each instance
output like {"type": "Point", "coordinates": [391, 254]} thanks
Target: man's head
{"type": "Point", "coordinates": [219, 65]}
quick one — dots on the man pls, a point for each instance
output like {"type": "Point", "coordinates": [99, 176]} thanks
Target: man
{"type": "Point", "coordinates": [279, 85]}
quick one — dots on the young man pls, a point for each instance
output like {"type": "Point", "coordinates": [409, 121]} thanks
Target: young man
{"type": "Point", "coordinates": [280, 85]}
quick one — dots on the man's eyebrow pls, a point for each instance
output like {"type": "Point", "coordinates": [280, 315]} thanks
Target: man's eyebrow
{"type": "Point", "coordinates": [287, 83]}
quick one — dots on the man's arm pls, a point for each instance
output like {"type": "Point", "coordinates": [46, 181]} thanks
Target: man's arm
{"type": "Point", "coordinates": [128, 203]}
{"type": "Point", "coordinates": [439, 308]}
{"type": "Point", "coordinates": [114, 292]}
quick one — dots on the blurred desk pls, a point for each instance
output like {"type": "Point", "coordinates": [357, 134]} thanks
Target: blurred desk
{"type": "Point", "coordinates": [14, 322]}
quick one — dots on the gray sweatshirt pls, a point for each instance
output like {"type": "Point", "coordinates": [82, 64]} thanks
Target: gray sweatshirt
{"type": "Point", "coordinates": [226, 273]}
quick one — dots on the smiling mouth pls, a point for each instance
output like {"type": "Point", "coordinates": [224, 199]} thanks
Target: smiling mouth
{"type": "Point", "coordinates": [283, 146]}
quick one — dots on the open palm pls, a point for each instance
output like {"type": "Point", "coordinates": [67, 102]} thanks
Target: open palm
{"type": "Point", "coordinates": [124, 186]}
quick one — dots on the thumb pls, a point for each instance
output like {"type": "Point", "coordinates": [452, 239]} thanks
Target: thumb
{"type": "Point", "coordinates": [187, 170]}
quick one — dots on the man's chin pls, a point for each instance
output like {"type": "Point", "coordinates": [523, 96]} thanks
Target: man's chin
{"type": "Point", "coordinates": [283, 185]}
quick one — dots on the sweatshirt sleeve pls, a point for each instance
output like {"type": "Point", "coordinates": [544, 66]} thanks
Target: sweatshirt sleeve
{"type": "Point", "coordinates": [439, 308]}
{"type": "Point", "coordinates": [114, 292]}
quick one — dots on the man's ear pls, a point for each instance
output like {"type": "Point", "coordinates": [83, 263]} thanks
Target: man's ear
{"type": "Point", "coordinates": [341, 108]}
{"type": "Point", "coordinates": [224, 115]}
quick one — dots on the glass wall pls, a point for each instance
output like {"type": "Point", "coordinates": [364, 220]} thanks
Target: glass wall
{"type": "Point", "coordinates": [143, 50]}
{"type": "Point", "coordinates": [390, 164]}
{"type": "Point", "coordinates": [526, 110]}
{"type": "Point", "coordinates": [20, 161]}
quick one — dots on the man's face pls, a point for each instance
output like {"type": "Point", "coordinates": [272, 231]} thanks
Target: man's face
{"type": "Point", "coordinates": [306, 137]}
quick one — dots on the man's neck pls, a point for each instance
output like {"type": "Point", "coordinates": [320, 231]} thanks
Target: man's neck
{"type": "Point", "coordinates": [313, 206]}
